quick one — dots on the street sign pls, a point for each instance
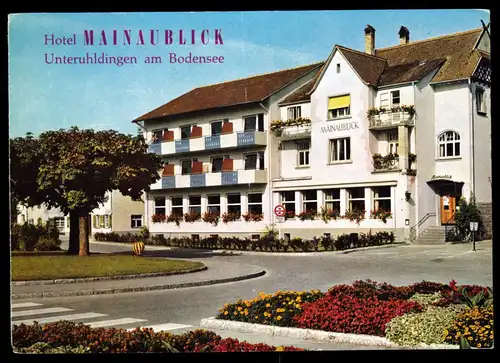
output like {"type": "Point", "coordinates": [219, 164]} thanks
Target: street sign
{"type": "Point", "coordinates": [279, 210]}
{"type": "Point", "coordinates": [474, 226]}
{"type": "Point", "coordinates": [280, 219]}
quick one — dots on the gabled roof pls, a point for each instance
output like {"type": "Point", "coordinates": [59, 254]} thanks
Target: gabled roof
{"type": "Point", "coordinates": [246, 90]}
{"type": "Point", "coordinates": [408, 72]}
{"type": "Point", "coordinates": [368, 67]}
{"type": "Point", "coordinates": [457, 49]}
{"type": "Point", "coordinates": [302, 94]}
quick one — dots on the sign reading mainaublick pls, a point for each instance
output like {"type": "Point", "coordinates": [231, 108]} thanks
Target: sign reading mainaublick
{"type": "Point", "coordinates": [140, 38]}
{"type": "Point", "coordinates": [340, 127]}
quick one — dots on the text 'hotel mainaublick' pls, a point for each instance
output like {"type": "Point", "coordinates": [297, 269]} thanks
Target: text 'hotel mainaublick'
{"type": "Point", "coordinates": [140, 37]}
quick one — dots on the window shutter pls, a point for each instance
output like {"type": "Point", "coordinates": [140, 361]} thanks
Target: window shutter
{"type": "Point", "coordinates": [101, 221]}
{"type": "Point", "coordinates": [110, 224]}
{"type": "Point", "coordinates": [94, 221]}
{"type": "Point", "coordinates": [260, 126]}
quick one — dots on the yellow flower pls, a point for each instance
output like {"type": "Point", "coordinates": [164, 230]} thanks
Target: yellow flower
{"type": "Point", "coordinates": [278, 317]}
{"type": "Point", "coordinates": [235, 313]}
{"type": "Point", "coordinates": [239, 308]}
{"type": "Point", "coordinates": [225, 312]}
{"type": "Point", "coordinates": [246, 313]}
{"type": "Point", "coordinates": [280, 349]}
{"type": "Point", "coordinates": [268, 305]}
{"type": "Point", "coordinates": [297, 306]}
{"type": "Point", "coordinates": [256, 316]}
{"type": "Point", "coordinates": [469, 338]}
{"type": "Point", "coordinates": [479, 345]}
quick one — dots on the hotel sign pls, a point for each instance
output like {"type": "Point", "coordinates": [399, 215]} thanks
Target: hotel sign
{"type": "Point", "coordinates": [340, 127]}
{"type": "Point", "coordinates": [441, 177]}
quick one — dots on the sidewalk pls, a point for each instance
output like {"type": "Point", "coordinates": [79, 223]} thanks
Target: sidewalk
{"type": "Point", "coordinates": [217, 272]}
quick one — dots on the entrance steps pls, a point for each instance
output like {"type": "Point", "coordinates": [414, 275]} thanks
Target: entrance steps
{"type": "Point", "coordinates": [433, 235]}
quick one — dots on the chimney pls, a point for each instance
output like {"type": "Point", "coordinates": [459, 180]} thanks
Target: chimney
{"type": "Point", "coordinates": [370, 39]}
{"type": "Point", "coordinates": [404, 35]}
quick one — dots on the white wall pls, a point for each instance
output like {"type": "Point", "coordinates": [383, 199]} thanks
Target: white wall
{"type": "Point", "coordinates": [482, 146]}
{"type": "Point", "coordinates": [405, 94]}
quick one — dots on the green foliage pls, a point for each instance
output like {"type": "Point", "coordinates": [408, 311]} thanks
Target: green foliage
{"type": "Point", "coordinates": [426, 327]}
{"type": "Point", "coordinates": [46, 348]}
{"type": "Point", "coordinates": [478, 300]}
{"type": "Point", "coordinates": [468, 212]}
{"type": "Point", "coordinates": [28, 237]}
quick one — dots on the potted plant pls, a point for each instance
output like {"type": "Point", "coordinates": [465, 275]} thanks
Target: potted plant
{"type": "Point", "coordinates": [230, 217]}
{"type": "Point", "coordinates": [211, 217]}
{"type": "Point", "coordinates": [192, 217]}
{"type": "Point", "coordinates": [158, 218]}
{"type": "Point", "coordinates": [175, 218]}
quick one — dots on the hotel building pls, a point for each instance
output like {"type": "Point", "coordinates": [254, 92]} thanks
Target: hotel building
{"type": "Point", "coordinates": [389, 138]}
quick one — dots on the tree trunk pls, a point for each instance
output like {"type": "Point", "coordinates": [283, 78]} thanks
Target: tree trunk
{"type": "Point", "coordinates": [84, 235]}
{"type": "Point", "coordinates": [74, 227]}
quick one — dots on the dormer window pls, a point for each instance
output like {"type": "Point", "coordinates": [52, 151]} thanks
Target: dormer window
{"type": "Point", "coordinates": [293, 112]}
{"type": "Point", "coordinates": [339, 106]}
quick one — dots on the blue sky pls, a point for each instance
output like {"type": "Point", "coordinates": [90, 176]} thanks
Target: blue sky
{"type": "Point", "coordinates": [49, 96]}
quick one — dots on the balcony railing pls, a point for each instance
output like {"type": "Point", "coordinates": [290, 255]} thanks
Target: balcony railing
{"type": "Point", "coordinates": [390, 119]}
{"type": "Point", "coordinates": [294, 132]}
{"type": "Point", "coordinates": [385, 163]}
{"type": "Point", "coordinates": [213, 179]}
{"type": "Point", "coordinates": [225, 140]}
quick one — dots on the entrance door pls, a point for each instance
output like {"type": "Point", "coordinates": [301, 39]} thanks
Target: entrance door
{"type": "Point", "coordinates": [448, 206]}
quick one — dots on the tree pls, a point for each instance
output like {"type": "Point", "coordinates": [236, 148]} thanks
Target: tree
{"type": "Point", "coordinates": [467, 213]}
{"type": "Point", "coordinates": [78, 167]}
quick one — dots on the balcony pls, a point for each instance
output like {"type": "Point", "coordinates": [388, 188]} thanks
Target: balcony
{"type": "Point", "coordinates": [389, 162]}
{"type": "Point", "coordinates": [224, 178]}
{"type": "Point", "coordinates": [223, 141]}
{"type": "Point", "coordinates": [383, 119]}
{"type": "Point", "coordinates": [299, 128]}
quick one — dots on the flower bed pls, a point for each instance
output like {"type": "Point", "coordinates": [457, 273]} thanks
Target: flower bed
{"type": "Point", "coordinates": [264, 243]}
{"type": "Point", "coordinates": [407, 315]}
{"type": "Point", "coordinates": [70, 337]}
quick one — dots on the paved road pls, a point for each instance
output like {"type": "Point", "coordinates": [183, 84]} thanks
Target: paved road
{"type": "Point", "coordinates": [398, 265]}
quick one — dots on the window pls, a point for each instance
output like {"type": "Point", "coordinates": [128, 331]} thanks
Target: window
{"type": "Point", "coordinates": [480, 101]}
{"type": "Point", "coordinates": [213, 203]}
{"type": "Point", "coordinates": [217, 164]}
{"type": "Point", "coordinates": [254, 123]}
{"type": "Point", "coordinates": [382, 198]}
{"type": "Point", "coordinates": [104, 221]}
{"type": "Point", "coordinates": [255, 203]}
{"type": "Point", "coordinates": [356, 199]}
{"type": "Point", "coordinates": [339, 106]}
{"type": "Point", "coordinates": [288, 201]}
{"type": "Point", "coordinates": [234, 203]}
{"type": "Point", "coordinates": [136, 221]}
{"type": "Point", "coordinates": [160, 205]}
{"type": "Point", "coordinates": [449, 144]}
{"type": "Point", "coordinates": [59, 222]}
{"type": "Point", "coordinates": [392, 142]}
{"type": "Point", "coordinates": [195, 204]}
{"type": "Point", "coordinates": [294, 112]}
{"type": "Point", "coordinates": [177, 206]}
{"type": "Point", "coordinates": [338, 67]}
{"type": "Point", "coordinates": [384, 99]}
{"type": "Point", "coordinates": [254, 161]}
{"type": "Point", "coordinates": [310, 201]}
{"type": "Point", "coordinates": [157, 136]}
{"type": "Point", "coordinates": [216, 127]}
{"type": "Point", "coordinates": [303, 152]}
{"type": "Point", "coordinates": [185, 132]}
{"type": "Point", "coordinates": [186, 166]}
{"type": "Point", "coordinates": [340, 149]}
{"type": "Point", "coordinates": [332, 199]}
{"type": "Point", "coordinates": [395, 98]}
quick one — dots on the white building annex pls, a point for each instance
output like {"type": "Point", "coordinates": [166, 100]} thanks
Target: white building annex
{"type": "Point", "coordinates": [384, 139]}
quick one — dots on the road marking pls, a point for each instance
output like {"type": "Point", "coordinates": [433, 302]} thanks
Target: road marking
{"type": "Point", "coordinates": [39, 311]}
{"type": "Point", "coordinates": [98, 324]}
{"type": "Point", "coordinates": [164, 327]}
{"type": "Point", "coordinates": [60, 317]}
{"type": "Point", "coordinates": [25, 305]}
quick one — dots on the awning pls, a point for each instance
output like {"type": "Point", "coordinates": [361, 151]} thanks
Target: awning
{"type": "Point", "coordinates": [339, 102]}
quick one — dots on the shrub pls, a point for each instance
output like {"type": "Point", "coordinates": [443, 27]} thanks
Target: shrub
{"type": "Point", "coordinates": [28, 237]}
{"type": "Point", "coordinates": [295, 243]}
{"type": "Point", "coordinates": [426, 327]}
{"type": "Point", "coordinates": [468, 212]}
{"type": "Point", "coordinates": [276, 309]}
{"type": "Point", "coordinates": [46, 348]}
{"type": "Point", "coordinates": [158, 240]}
{"type": "Point", "coordinates": [46, 243]}
{"type": "Point", "coordinates": [348, 314]}
{"type": "Point", "coordinates": [327, 243]}
{"type": "Point", "coordinates": [475, 325]}
{"type": "Point", "coordinates": [371, 289]}
{"type": "Point", "coordinates": [342, 242]}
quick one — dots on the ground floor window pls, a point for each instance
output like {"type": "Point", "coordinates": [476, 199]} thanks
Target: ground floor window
{"type": "Point", "coordinates": [255, 203]}
{"type": "Point", "coordinates": [102, 221]}
{"type": "Point", "coordinates": [195, 204]}
{"type": "Point", "coordinates": [160, 205]}
{"type": "Point", "coordinates": [288, 201]}
{"type": "Point", "coordinates": [213, 205]}
{"type": "Point", "coordinates": [356, 199]}
{"type": "Point", "coordinates": [332, 199]}
{"type": "Point", "coordinates": [136, 220]}
{"type": "Point", "coordinates": [310, 201]}
{"type": "Point", "coordinates": [59, 222]}
{"type": "Point", "coordinates": [234, 203]}
{"type": "Point", "coordinates": [382, 198]}
{"type": "Point", "coordinates": [177, 207]}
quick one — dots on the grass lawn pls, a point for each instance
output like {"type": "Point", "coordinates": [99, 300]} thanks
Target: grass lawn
{"type": "Point", "coordinates": [38, 267]}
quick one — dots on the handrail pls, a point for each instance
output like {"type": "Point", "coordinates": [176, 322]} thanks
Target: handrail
{"type": "Point", "coordinates": [452, 216]}
{"type": "Point", "coordinates": [423, 219]}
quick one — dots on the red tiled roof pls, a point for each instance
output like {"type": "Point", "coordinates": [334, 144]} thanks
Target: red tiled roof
{"type": "Point", "coordinates": [246, 90]}
{"type": "Point", "coordinates": [368, 67]}
{"type": "Point", "coordinates": [408, 72]}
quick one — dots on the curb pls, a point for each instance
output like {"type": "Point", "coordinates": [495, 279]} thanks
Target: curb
{"type": "Point", "coordinates": [105, 278]}
{"type": "Point", "coordinates": [265, 253]}
{"type": "Point", "coordinates": [310, 334]}
{"type": "Point", "coordinates": [137, 289]}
